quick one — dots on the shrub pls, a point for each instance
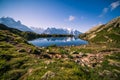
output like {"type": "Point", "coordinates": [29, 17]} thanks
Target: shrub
{"type": "Point", "coordinates": [3, 67]}
{"type": "Point", "coordinates": [35, 51]}
{"type": "Point", "coordinates": [5, 56]}
{"type": "Point", "coordinates": [13, 74]}
{"type": "Point", "coordinates": [22, 50]}
{"type": "Point", "coordinates": [62, 51]}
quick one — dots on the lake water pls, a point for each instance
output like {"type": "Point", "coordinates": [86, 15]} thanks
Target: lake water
{"type": "Point", "coordinates": [58, 41]}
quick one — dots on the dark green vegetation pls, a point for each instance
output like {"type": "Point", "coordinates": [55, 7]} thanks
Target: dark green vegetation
{"type": "Point", "coordinates": [99, 60]}
{"type": "Point", "coordinates": [25, 35]}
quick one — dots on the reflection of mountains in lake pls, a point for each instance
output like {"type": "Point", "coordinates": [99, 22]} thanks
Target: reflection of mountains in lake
{"type": "Point", "coordinates": [58, 39]}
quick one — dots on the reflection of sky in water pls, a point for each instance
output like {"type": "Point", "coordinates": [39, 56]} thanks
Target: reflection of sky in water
{"type": "Point", "coordinates": [59, 41]}
{"type": "Point", "coordinates": [64, 39]}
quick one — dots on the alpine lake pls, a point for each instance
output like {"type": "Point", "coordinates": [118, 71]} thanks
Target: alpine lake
{"type": "Point", "coordinates": [57, 41]}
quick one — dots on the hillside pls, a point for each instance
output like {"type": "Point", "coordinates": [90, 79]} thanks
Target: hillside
{"type": "Point", "coordinates": [26, 35]}
{"type": "Point", "coordinates": [108, 33]}
{"type": "Point", "coordinates": [26, 62]}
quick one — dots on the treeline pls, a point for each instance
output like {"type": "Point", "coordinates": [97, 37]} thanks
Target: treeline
{"type": "Point", "coordinates": [56, 35]}
{"type": "Point", "coordinates": [31, 35]}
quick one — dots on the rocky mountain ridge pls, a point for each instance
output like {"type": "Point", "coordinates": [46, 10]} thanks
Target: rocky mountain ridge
{"type": "Point", "coordinates": [106, 33]}
{"type": "Point", "coordinates": [10, 22]}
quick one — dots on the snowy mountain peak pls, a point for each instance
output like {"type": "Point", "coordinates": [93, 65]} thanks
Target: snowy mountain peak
{"type": "Point", "coordinates": [10, 22]}
{"type": "Point", "coordinates": [37, 30]}
{"type": "Point", "coordinates": [53, 30]}
{"type": "Point", "coordinates": [19, 22]}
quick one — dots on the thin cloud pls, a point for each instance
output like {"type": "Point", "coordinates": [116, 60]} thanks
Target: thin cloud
{"type": "Point", "coordinates": [111, 7]}
{"type": "Point", "coordinates": [114, 5]}
{"type": "Point", "coordinates": [71, 18]}
{"type": "Point", "coordinates": [105, 10]}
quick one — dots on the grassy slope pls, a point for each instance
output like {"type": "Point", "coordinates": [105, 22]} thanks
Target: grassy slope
{"type": "Point", "coordinates": [108, 34]}
{"type": "Point", "coordinates": [19, 60]}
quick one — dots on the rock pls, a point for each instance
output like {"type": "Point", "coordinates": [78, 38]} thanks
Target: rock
{"type": "Point", "coordinates": [62, 68]}
{"type": "Point", "coordinates": [48, 75]}
{"type": "Point", "coordinates": [29, 50]}
{"type": "Point", "coordinates": [76, 56]}
{"type": "Point", "coordinates": [47, 50]}
{"type": "Point", "coordinates": [94, 64]}
{"type": "Point", "coordinates": [64, 56]}
{"type": "Point", "coordinates": [83, 54]}
{"type": "Point", "coordinates": [45, 67]}
{"type": "Point", "coordinates": [30, 70]}
{"type": "Point", "coordinates": [48, 62]}
{"type": "Point", "coordinates": [22, 50]}
{"type": "Point", "coordinates": [65, 59]}
{"type": "Point", "coordinates": [58, 56]}
{"type": "Point", "coordinates": [73, 55]}
{"type": "Point", "coordinates": [92, 36]}
{"type": "Point", "coordinates": [74, 52]}
{"type": "Point", "coordinates": [13, 42]}
{"type": "Point", "coordinates": [80, 53]}
{"type": "Point", "coordinates": [77, 61]}
{"type": "Point", "coordinates": [35, 51]}
{"type": "Point", "coordinates": [53, 53]}
{"type": "Point", "coordinates": [107, 73]}
{"type": "Point", "coordinates": [47, 56]}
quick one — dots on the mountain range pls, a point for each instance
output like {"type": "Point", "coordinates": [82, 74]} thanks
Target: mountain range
{"type": "Point", "coordinates": [10, 22]}
{"type": "Point", "coordinates": [54, 30]}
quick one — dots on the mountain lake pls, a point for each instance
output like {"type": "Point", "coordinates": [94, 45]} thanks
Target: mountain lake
{"type": "Point", "coordinates": [58, 41]}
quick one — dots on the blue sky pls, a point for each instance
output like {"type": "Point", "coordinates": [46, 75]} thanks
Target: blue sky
{"type": "Point", "coordinates": [77, 14]}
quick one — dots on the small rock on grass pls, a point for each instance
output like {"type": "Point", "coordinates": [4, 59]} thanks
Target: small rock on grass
{"type": "Point", "coordinates": [48, 75]}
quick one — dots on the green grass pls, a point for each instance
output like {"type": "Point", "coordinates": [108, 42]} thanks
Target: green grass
{"type": "Point", "coordinates": [84, 50]}
{"type": "Point", "coordinates": [110, 68]}
{"type": "Point", "coordinates": [27, 66]}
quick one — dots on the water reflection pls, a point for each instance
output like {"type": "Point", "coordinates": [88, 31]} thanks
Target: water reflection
{"type": "Point", "coordinates": [59, 41]}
